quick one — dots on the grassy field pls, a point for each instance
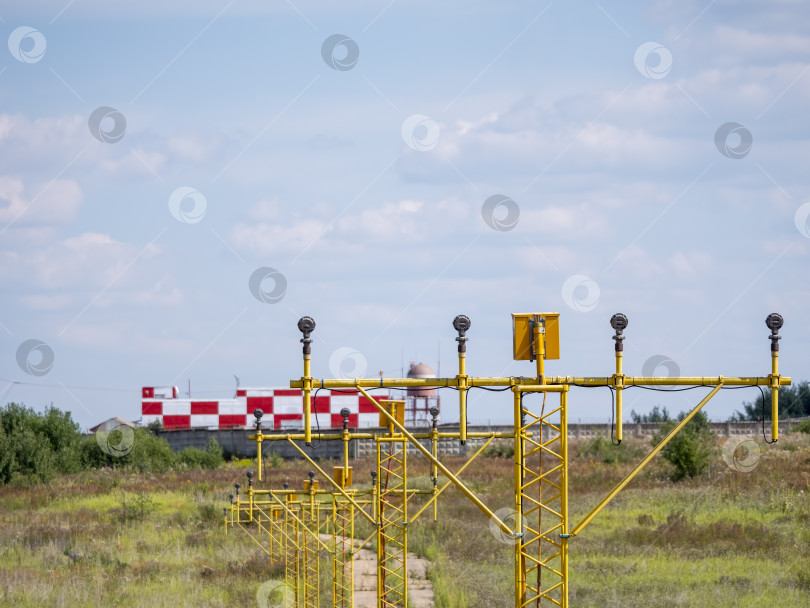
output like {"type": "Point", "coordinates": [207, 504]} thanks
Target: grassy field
{"type": "Point", "coordinates": [107, 538]}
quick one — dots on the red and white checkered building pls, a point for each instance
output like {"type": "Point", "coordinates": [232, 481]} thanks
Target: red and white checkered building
{"type": "Point", "coordinates": [283, 409]}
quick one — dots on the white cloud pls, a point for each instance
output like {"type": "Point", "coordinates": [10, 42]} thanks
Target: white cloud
{"type": "Point", "coordinates": [267, 239]}
{"type": "Point", "coordinates": [54, 202]}
{"type": "Point", "coordinates": [190, 147]}
{"type": "Point", "coordinates": [405, 222]}
{"type": "Point", "coordinates": [137, 163]}
{"type": "Point", "coordinates": [88, 261]}
{"type": "Point", "coordinates": [691, 265]}
{"type": "Point", "coordinates": [268, 209]}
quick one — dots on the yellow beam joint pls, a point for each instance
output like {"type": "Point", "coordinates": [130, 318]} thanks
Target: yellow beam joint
{"type": "Point", "coordinates": [621, 485]}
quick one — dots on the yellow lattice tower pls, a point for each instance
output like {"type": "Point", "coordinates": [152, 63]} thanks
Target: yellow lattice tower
{"type": "Point", "coordinates": [542, 503]}
{"type": "Point", "coordinates": [392, 511]}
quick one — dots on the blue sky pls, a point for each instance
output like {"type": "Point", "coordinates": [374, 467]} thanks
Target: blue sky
{"type": "Point", "coordinates": [629, 200]}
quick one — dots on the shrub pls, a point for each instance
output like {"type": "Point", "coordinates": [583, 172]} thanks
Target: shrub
{"type": "Point", "coordinates": [35, 447]}
{"type": "Point", "coordinates": [602, 449]}
{"type": "Point", "coordinates": [803, 426]}
{"type": "Point", "coordinates": [147, 453]}
{"type": "Point", "coordinates": [209, 458]}
{"type": "Point", "coordinates": [691, 449]}
{"type": "Point", "coordinates": [500, 449]}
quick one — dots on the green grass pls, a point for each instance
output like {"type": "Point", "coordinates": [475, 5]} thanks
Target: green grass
{"type": "Point", "coordinates": [727, 538]}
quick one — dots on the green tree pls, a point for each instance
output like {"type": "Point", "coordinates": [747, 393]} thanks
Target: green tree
{"type": "Point", "coordinates": [35, 447]}
{"type": "Point", "coordinates": [794, 402]}
{"type": "Point", "coordinates": [655, 415]}
{"type": "Point", "coordinates": [691, 449]}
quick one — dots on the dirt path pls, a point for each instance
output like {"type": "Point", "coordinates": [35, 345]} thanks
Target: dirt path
{"type": "Point", "coordinates": [420, 591]}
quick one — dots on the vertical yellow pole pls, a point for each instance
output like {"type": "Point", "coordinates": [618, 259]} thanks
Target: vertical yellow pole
{"type": "Point", "coordinates": [345, 458]}
{"type": "Point", "coordinates": [775, 391]}
{"type": "Point", "coordinates": [462, 392]}
{"type": "Point", "coordinates": [520, 584]}
{"type": "Point", "coordinates": [564, 495]}
{"type": "Point", "coordinates": [307, 399]}
{"type": "Point", "coordinates": [619, 382]}
{"type": "Point", "coordinates": [306, 325]}
{"type": "Point", "coordinates": [619, 323]}
{"type": "Point", "coordinates": [434, 471]}
{"type": "Point", "coordinates": [774, 323]}
{"type": "Point", "coordinates": [335, 570]}
{"type": "Point", "coordinates": [461, 324]}
{"type": "Point", "coordinates": [259, 439]}
{"type": "Point", "coordinates": [539, 335]}
{"type": "Point", "coordinates": [378, 517]}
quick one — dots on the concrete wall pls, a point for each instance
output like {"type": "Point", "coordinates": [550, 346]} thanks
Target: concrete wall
{"type": "Point", "coordinates": [236, 441]}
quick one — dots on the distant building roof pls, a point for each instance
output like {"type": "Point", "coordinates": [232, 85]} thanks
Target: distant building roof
{"type": "Point", "coordinates": [111, 424]}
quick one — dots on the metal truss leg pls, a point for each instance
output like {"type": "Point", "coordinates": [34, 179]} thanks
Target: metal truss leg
{"type": "Point", "coordinates": [543, 500]}
{"type": "Point", "coordinates": [291, 555]}
{"type": "Point", "coordinates": [392, 539]}
{"type": "Point", "coordinates": [343, 555]}
{"type": "Point", "coordinates": [311, 570]}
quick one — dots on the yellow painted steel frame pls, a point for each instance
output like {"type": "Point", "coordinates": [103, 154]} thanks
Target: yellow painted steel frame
{"type": "Point", "coordinates": [542, 530]}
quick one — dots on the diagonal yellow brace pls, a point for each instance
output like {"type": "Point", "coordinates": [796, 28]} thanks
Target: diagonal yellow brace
{"type": "Point", "coordinates": [426, 453]}
{"type": "Point", "coordinates": [620, 486]}
{"type": "Point", "coordinates": [332, 481]}
{"type": "Point", "coordinates": [447, 484]}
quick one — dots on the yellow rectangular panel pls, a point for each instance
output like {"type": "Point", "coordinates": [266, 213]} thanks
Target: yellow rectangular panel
{"type": "Point", "coordinates": [394, 407]}
{"type": "Point", "coordinates": [338, 474]}
{"type": "Point", "coordinates": [522, 334]}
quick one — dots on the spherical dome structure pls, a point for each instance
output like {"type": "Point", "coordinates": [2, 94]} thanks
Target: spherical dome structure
{"type": "Point", "coordinates": [420, 370]}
